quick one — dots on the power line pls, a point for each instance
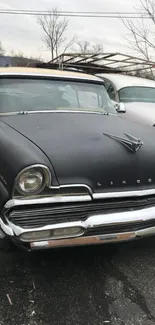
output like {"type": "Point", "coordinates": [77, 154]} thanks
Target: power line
{"type": "Point", "coordinates": [88, 14]}
{"type": "Point", "coordinates": [76, 15]}
{"type": "Point", "coordinates": [72, 12]}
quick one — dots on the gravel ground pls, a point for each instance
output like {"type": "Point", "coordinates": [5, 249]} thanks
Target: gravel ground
{"type": "Point", "coordinates": [94, 285]}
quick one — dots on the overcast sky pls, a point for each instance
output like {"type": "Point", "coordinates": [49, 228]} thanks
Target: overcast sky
{"type": "Point", "coordinates": [21, 33]}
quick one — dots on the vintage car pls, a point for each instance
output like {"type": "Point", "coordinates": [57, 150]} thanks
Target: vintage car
{"type": "Point", "coordinates": [72, 170]}
{"type": "Point", "coordinates": [133, 96]}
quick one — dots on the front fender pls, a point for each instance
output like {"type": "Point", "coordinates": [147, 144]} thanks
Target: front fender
{"type": "Point", "coordinates": [4, 195]}
{"type": "Point", "coordinates": [16, 153]}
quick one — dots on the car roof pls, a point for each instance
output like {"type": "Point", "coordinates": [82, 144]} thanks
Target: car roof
{"type": "Point", "coordinates": [28, 71]}
{"type": "Point", "coordinates": [120, 81]}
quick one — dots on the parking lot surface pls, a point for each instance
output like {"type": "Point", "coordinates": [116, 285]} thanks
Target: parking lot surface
{"type": "Point", "coordinates": [97, 285]}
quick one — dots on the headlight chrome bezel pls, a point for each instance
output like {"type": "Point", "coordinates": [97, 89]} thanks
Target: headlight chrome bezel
{"type": "Point", "coordinates": [44, 170]}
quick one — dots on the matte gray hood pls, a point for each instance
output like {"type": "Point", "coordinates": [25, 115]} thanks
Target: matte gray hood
{"type": "Point", "coordinates": [81, 153]}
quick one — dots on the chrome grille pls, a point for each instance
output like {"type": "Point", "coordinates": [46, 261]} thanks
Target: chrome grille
{"type": "Point", "coordinates": [96, 231]}
{"type": "Point", "coordinates": [42, 215]}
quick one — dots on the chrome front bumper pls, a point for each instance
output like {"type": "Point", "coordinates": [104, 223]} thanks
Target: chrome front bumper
{"type": "Point", "coordinates": [133, 220]}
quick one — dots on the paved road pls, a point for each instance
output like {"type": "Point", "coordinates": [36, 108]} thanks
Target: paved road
{"type": "Point", "coordinates": [79, 286]}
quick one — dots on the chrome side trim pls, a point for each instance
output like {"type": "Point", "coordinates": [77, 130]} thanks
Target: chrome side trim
{"type": "Point", "coordinates": [110, 195]}
{"type": "Point", "coordinates": [75, 198]}
{"type": "Point", "coordinates": [110, 219]}
{"type": "Point", "coordinates": [45, 200]}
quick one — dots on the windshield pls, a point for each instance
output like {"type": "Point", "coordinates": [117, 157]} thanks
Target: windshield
{"type": "Point", "coordinates": [137, 94]}
{"type": "Point", "coordinates": [18, 95]}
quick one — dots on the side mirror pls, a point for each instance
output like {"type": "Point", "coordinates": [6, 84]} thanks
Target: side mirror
{"type": "Point", "coordinates": [119, 107]}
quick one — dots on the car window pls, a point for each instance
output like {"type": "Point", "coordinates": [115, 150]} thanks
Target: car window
{"type": "Point", "coordinates": [38, 94]}
{"type": "Point", "coordinates": [137, 94]}
{"type": "Point", "coordinates": [110, 89]}
{"type": "Point", "coordinates": [88, 98]}
{"type": "Point", "coordinates": [70, 95]}
{"type": "Point", "coordinates": [82, 97]}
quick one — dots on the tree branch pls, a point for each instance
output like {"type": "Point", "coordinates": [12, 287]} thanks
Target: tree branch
{"type": "Point", "coordinates": [54, 29]}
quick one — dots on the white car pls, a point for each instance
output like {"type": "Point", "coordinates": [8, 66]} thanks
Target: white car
{"type": "Point", "coordinates": [133, 96]}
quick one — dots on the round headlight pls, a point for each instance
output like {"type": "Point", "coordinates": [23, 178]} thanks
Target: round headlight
{"type": "Point", "coordinates": [31, 181]}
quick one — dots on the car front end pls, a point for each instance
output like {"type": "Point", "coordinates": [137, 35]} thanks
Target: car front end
{"type": "Point", "coordinates": [85, 196]}
{"type": "Point", "coordinates": [72, 176]}
{"type": "Point", "coordinates": [79, 219]}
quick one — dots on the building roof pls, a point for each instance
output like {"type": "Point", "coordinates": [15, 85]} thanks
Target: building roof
{"type": "Point", "coordinates": [28, 71]}
{"type": "Point", "coordinates": [121, 81]}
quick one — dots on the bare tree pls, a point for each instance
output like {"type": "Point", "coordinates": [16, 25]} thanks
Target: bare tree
{"type": "Point", "coordinates": [2, 51]}
{"type": "Point", "coordinates": [55, 28]}
{"type": "Point", "coordinates": [87, 47]}
{"type": "Point", "coordinates": [141, 35]}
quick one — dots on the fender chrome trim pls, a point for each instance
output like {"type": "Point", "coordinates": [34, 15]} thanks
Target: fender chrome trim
{"type": "Point", "coordinates": [110, 195]}
{"type": "Point", "coordinates": [45, 200]}
{"type": "Point", "coordinates": [75, 198]}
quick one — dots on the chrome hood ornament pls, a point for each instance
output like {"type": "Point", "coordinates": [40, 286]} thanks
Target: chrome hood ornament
{"type": "Point", "coordinates": [132, 143]}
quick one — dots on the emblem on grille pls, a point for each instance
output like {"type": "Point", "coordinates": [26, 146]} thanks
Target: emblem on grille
{"type": "Point", "coordinates": [132, 143]}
